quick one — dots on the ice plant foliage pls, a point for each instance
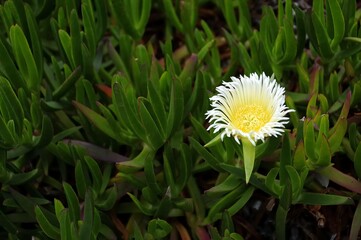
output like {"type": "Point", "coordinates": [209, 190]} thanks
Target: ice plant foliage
{"type": "Point", "coordinates": [249, 109]}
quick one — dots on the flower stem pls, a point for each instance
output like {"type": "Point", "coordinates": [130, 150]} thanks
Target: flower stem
{"type": "Point", "coordinates": [249, 152]}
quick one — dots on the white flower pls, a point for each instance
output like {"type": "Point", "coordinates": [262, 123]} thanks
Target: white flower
{"type": "Point", "coordinates": [250, 108]}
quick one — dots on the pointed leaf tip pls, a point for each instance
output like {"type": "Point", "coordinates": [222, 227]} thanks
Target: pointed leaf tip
{"type": "Point", "coordinates": [249, 153]}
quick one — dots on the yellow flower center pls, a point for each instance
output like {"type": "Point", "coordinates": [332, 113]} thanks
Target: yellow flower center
{"type": "Point", "coordinates": [250, 117]}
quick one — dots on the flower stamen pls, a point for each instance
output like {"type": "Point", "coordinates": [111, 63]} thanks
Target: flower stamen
{"type": "Point", "coordinates": [250, 117]}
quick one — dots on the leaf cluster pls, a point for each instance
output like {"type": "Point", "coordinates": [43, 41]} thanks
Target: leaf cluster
{"type": "Point", "coordinates": [102, 129]}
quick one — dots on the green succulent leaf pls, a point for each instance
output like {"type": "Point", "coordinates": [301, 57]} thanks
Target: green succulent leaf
{"type": "Point", "coordinates": [159, 228]}
{"type": "Point", "coordinates": [7, 224]}
{"type": "Point", "coordinates": [357, 160]}
{"type": "Point", "coordinates": [107, 200]}
{"type": "Point", "coordinates": [24, 58]}
{"type": "Point", "coordinates": [10, 106]}
{"type": "Point", "coordinates": [323, 199]}
{"type": "Point", "coordinates": [49, 229]}
{"type": "Point", "coordinates": [223, 203]}
{"type": "Point", "coordinates": [86, 229]}
{"type": "Point", "coordinates": [338, 22]}
{"type": "Point", "coordinates": [356, 222]}
{"type": "Point", "coordinates": [73, 202]}
{"type": "Point", "coordinates": [98, 120]}
{"type": "Point", "coordinates": [272, 183]}
{"type": "Point", "coordinates": [211, 160]}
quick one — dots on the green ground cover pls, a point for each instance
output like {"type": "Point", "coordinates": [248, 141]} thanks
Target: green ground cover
{"type": "Point", "coordinates": [103, 129]}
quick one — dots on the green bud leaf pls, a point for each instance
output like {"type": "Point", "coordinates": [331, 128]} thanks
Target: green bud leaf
{"type": "Point", "coordinates": [138, 162]}
{"type": "Point", "coordinates": [144, 208]}
{"type": "Point", "coordinates": [299, 157]}
{"type": "Point", "coordinates": [107, 200]}
{"type": "Point", "coordinates": [309, 139]}
{"type": "Point", "coordinates": [59, 207]}
{"type": "Point", "coordinates": [159, 228]}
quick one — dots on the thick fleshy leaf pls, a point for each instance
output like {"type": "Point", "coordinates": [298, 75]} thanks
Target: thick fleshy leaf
{"type": "Point", "coordinates": [255, 180]}
{"type": "Point", "coordinates": [47, 132]}
{"type": "Point", "coordinates": [82, 179]}
{"type": "Point", "coordinates": [171, 15]}
{"type": "Point", "coordinates": [334, 10]}
{"type": "Point", "coordinates": [249, 153]}
{"type": "Point", "coordinates": [67, 84]}
{"type": "Point", "coordinates": [8, 67]}
{"type": "Point", "coordinates": [86, 229]}
{"type": "Point", "coordinates": [107, 200]}
{"type": "Point", "coordinates": [73, 202]}
{"type": "Point", "coordinates": [341, 178]}
{"type": "Point", "coordinates": [89, 26]}
{"type": "Point", "coordinates": [95, 173]}
{"type": "Point", "coordinates": [323, 199]}
{"type": "Point", "coordinates": [285, 160]}
{"type": "Point", "coordinates": [22, 178]}
{"type": "Point", "coordinates": [24, 58]}
{"type": "Point", "coordinates": [176, 107]}
{"type": "Point", "coordinates": [125, 104]}
{"type": "Point", "coordinates": [49, 229]}
{"type": "Point", "coordinates": [357, 160]}
{"type": "Point", "coordinates": [309, 139]}
{"type": "Point", "coordinates": [356, 222]}
{"type": "Point", "coordinates": [137, 162]}
{"type": "Point", "coordinates": [155, 137]}
{"type": "Point", "coordinates": [10, 106]}
{"type": "Point", "coordinates": [211, 160]}
{"type": "Point", "coordinates": [225, 202]}
{"type": "Point", "coordinates": [299, 157]}
{"type": "Point", "coordinates": [155, 98]}
{"type": "Point", "coordinates": [24, 202]}
{"type": "Point", "coordinates": [324, 154]}
{"type": "Point", "coordinates": [65, 225]}
{"type": "Point", "coordinates": [230, 183]}
{"type": "Point", "coordinates": [145, 209]}
{"type": "Point", "coordinates": [338, 131]}
{"type": "Point", "coordinates": [7, 224]}
{"type": "Point", "coordinates": [98, 120]}
{"type": "Point", "coordinates": [159, 228]}
{"type": "Point", "coordinates": [272, 183]}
